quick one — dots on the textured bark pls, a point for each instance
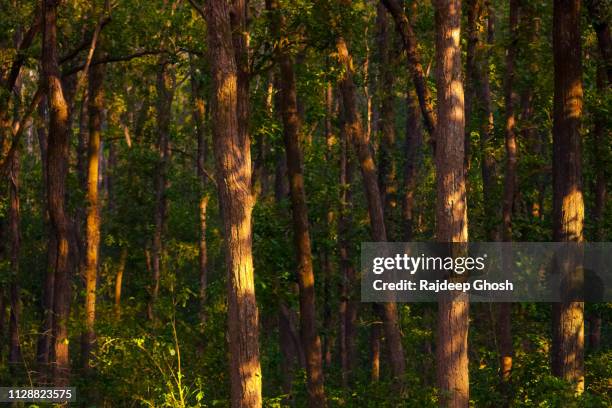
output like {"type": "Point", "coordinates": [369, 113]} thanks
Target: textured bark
{"type": "Point", "coordinates": [487, 129]}
{"type": "Point", "coordinates": [471, 71]}
{"type": "Point", "coordinates": [45, 339]}
{"type": "Point", "coordinates": [348, 304]}
{"type": "Point", "coordinates": [96, 106]}
{"type": "Point", "coordinates": [233, 170]}
{"type": "Point", "coordinates": [505, 309]}
{"type": "Point", "coordinates": [404, 27]}
{"type": "Point", "coordinates": [370, 182]}
{"type": "Point", "coordinates": [451, 203]}
{"type": "Point", "coordinates": [165, 94]}
{"type": "Point", "coordinates": [301, 229]}
{"type": "Point", "coordinates": [386, 122]}
{"type": "Point", "coordinates": [568, 203]}
{"type": "Point", "coordinates": [57, 152]}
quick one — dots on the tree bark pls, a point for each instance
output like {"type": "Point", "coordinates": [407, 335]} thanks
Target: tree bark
{"type": "Point", "coordinates": [96, 106]}
{"type": "Point", "coordinates": [165, 90]}
{"type": "Point", "coordinates": [57, 152]}
{"type": "Point", "coordinates": [568, 203]}
{"type": "Point", "coordinates": [386, 123]}
{"type": "Point", "coordinates": [451, 204]}
{"type": "Point", "coordinates": [370, 182]}
{"type": "Point", "coordinates": [412, 148]}
{"type": "Point", "coordinates": [14, 357]}
{"type": "Point", "coordinates": [233, 169]}
{"type": "Point", "coordinates": [305, 273]}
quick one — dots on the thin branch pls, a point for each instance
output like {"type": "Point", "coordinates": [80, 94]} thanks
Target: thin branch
{"type": "Point", "coordinates": [121, 58]}
{"type": "Point", "coordinates": [198, 8]}
{"type": "Point", "coordinates": [18, 128]}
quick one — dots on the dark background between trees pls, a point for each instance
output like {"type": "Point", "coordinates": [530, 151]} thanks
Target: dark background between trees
{"type": "Point", "coordinates": [185, 186]}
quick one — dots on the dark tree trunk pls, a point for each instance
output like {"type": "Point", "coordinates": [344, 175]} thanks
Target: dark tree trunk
{"type": "Point", "coordinates": [165, 89]}
{"type": "Point", "coordinates": [568, 203]}
{"type": "Point", "coordinates": [14, 356]}
{"type": "Point", "coordinates": [57, 152]}
{"type": "Point", "coordinates": [370, 182]}
{"type": "Point", "coordinates": [305, 273]}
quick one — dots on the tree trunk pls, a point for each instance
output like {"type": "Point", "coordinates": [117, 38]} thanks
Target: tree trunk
{"type": "Point", "coordinates": [165, 89]}
{"type": "Point", "coordinates": [412, 148]}
{"type": "Point", "coordinates": [233, 169]}
{"type": "Point", "coordinates": [14, 357]}
{"type": "Point", "coordinates": [57, 151]}
{"type": "Point", "coordinates": [568, 204]}
{"type": "Point", "coordinates": [372, 192]}
{"type": "Point", "coordinates": [505, 309]}
{"type": "Point", "coordinates": [348, 304]}
{"type": "Point", "coordinates": [451, 204]}
{"type": "Point", "coordinates": [386, 124]}
{"type": "Point", "coordinates": [487, 130]}
{"type": "Point", "coordinates": [199, 113]}
{"type": "Point", "coordinates": [96, 106]}
{"type": "Point", "coordinates": [471, 75]}
{"type": "Point", "coordinates": [305, 273]}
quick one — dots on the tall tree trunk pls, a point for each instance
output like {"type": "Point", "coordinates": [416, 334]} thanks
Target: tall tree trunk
{"type": "Point", "coordinates": [451, 205]}
{"type": "Point", "coordinates": [505, 309]}
{"type": "Point", "coordinates": [165, 90]}
{"type": "Point", "coordinates": [404, 27]}
{"type": "Point", "coordinates": [412, 147]}
{"type": "Point", "coordinates": [14, 357]}
{"type": "Point", "coordinates": [96, 106]}
{"type": "Point", "coordinates": [57, 151]}
{"type": "Point", "coordinates": [487, 128]}
{"type": "Point", "coordinates": [370, 182]}
{"type": "Point", "coordinates": [568, 204]}
{"type": "Point", "coordinates": [199, 113]}
{"type": "Point", "coordinates": [305, 273]}
{"type": "Point", "coordinates": [471, 76]}
{"type": "Point", "coordinates": [233, 169]}
{"type": "Point", "coordinates": [45, 339]}
{"type": "Point", "coordinates": [386, 123]}
{"type": "Point", "coordinates": [348, 304]}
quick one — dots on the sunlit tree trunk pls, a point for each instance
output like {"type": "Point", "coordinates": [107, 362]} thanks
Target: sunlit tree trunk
{"type": "Point", "coordinates": [96, 106]}
{"type": "Point", "coordinates": [233, 175]}
{"type": "Point", "coordinates": [568, 203]}
{"type": "Point", "coordinates": [451, 204]}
